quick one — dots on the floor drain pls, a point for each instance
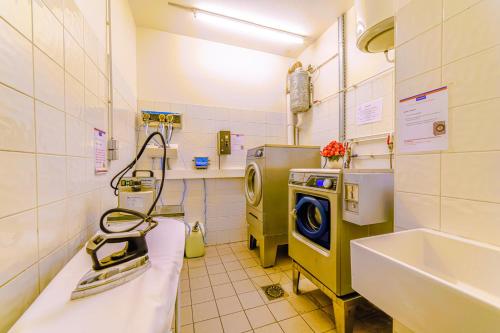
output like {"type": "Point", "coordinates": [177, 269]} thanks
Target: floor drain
{"type": "Point", "coordinates": [273, 291]}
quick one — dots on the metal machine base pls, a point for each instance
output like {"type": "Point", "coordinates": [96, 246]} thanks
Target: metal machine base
{"type": "Point", "coordinates": [268, 246]}
{"type": "Point", "coordinates": [344, 307]}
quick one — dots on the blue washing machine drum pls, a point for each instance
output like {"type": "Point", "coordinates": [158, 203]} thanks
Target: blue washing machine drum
{"type": "Point", "coordinates": [313, 218]}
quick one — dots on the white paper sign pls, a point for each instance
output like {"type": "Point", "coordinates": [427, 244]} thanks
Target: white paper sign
{"type": "Point", "coordinates": [370, 112]}
{"type": "Point", "coordinates": [100, 150]}
{"type": "Point", "coordinates": [237, 142]}
{"type": "Point", "coordinates": [423, 122]}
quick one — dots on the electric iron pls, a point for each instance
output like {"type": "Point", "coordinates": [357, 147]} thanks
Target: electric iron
{"type": "Point", "coordinates": [131, 260]}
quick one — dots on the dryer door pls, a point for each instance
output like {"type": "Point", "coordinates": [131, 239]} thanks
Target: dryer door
{"type": "Point", "coordinates": [253, 184]}
{"type": "Point", "coordinates": [312, 216]}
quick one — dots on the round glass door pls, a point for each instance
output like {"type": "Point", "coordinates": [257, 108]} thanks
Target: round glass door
{"type": "Point", "coordinates": [312, 216]}
{"type": "Point", "coordinates": [253, 184]}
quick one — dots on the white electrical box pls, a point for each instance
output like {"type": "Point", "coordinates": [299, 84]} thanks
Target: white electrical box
{"type": "Point", "coordinates": [368, 196]}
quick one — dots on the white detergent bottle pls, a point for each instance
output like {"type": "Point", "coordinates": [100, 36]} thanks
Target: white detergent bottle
{"type": "Point", "coordinates": [195, 246]}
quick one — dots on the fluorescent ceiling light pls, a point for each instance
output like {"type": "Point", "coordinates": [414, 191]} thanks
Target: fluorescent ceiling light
{"type": "Point", "coordinates": [243, 26]}
{"type": "Point", "coordinates": [248, 28]}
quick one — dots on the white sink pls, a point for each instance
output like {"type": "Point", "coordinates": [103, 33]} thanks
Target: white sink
{"type": "Point", "coordinates": [430, 281]}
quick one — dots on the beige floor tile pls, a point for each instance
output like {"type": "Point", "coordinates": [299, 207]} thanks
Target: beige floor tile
{"type": "Point", "coordinates": [302, 303]}
{"type": "Point", "coordinates": [246, 263]}
{"type": "Point", "coordinates": [185, 285]}
{"type": "Point", "coordinates": [243, 286]}
{"type": "Point", "coordinates": [259, 316]}
{"type": "Point", "coordinates": [186, 315]}
{"type": "Point", "coordinates": [243, 255]}
{"type": "Point", "coordinates": [237, 275]}
{"type": "Point", "coordinates": [235, 323]}
{"type": "Point", "coordinates": [282, 310]}
{"type": "Point", "coordinates": [320, 297]}
{"type": "Point", "coordinates": [295, 325]}
{"type": "Point", "coordinates": [279, 277]}
{"type": "Point", "coordinates": [204, 311]}
{"type": "Point", "coordinates": [211, 252]}
{"type": "Point", "coordinates": [228, 257]}
{"type": "Point", "coordinates": [224, 250]}
{"type": "Point", "coordinates": [255, 271]}
{"type": "Point", "coordinates": [213, 261]}
{"type": "Point", "coordinates": [272, 270]}
{"type": "Point", "coordinates": [195, 263]}
{"type": "Point", "coordinates": [197, 272]}
{"type": "Point", "coordinates": [220, 278]}
{"type": "Point", "coordinates": [216, 269]}
{"type": "Point", "coordinates": [261, 281]}
{"type": "Point", "coordinates": [232, 266]}
{"type": "Point", "coordinates": [223, 290]}
{"type": "Point", "coordinates": [250, 300]}
{"type": "Point", "coordinates": [201, 295]}
{"type": "Point", "coordinates": [209, 326]}
{"type": "Point", "coordinates": [187, 328]}
{"type": "Point", "coordinates": [228, 305]}
{"type": "Point", "coordinates": [273, 328]}
{"type": "Point", "coordinates": [199, 282]}
{"type": "Point", "coordinates": [185, 298]}
{"type": "Point", "coordinates": [184, 274]}
{"type": "Point", "coordinates": [319, 321]}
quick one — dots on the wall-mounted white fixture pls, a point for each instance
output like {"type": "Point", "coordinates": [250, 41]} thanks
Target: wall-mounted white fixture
{"type": "Point", "coordinates": [375, 25]}
{"type": "Point", "coordinates": [243, 26]}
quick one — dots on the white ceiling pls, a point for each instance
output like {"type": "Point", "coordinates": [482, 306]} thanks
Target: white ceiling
{"type": "Point", "coordinates": [306, 17]}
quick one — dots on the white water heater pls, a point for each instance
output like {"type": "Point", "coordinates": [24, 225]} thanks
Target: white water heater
{"type": "Point", "coordinates": [300, 90]}
{"type": "Point", "coordinates": [375, 25]}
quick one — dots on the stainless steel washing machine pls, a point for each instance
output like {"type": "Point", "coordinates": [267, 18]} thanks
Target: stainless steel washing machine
{"type": "Point", "coordinates": [266, 191]}
{"type": "Point", "coordinates": [319, 238]}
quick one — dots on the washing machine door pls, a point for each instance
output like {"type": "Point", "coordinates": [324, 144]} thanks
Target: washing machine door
{"type": "Point", "coordinates": [253, 184]}
{"type": "Point", "coordinates": [312, 216]}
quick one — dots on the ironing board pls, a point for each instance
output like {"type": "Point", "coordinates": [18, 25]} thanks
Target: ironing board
{"type": "Point", "coordinates": [145, 304]}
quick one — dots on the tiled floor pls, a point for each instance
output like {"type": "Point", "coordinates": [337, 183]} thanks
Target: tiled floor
{"type": "Point", "coordinates": [221, 293]}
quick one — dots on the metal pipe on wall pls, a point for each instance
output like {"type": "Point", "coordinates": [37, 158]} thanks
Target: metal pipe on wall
{"type": "Point", "coordinates": [110, 69]}
{"type": "Point", "coordinates": [342, 76]}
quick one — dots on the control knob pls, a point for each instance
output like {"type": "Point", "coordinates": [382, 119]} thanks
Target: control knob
{"type": "Point", "coordinates": [327, 183]}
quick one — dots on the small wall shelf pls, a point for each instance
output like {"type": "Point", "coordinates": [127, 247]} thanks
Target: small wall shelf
{"type": "Point", "coordinates": [200, 174]}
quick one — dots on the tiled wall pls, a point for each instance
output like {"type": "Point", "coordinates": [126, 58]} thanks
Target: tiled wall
{"type": "Point", "coordinates": [453, 43]}
{"type": "Point", "coordinates": [53, 92]}
{"type": "Point", "coordinates": [225, 200]}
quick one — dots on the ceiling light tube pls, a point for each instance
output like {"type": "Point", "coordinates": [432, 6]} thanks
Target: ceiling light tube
{"type": "Point", "coordinates": [243, 27]}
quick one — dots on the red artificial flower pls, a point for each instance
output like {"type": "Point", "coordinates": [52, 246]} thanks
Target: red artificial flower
{"type": "Point", "coordinates": [334, 149]}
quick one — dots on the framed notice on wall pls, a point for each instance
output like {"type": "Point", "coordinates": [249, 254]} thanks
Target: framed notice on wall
{"type": "Point", "coordinates": [423, 122]}
{"type": "Point", "coordinates": [100, 151]}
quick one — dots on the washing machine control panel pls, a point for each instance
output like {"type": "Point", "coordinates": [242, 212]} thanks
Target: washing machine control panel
{"type": "Point", "coordinates": [328, 182]}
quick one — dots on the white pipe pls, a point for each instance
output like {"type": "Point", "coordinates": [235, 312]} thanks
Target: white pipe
{"type": "Point", "coordinates": [290, 122]}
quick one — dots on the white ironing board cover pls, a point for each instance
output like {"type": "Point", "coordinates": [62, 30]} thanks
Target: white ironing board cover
{"type": "Point", "coordinates": [145, 304]}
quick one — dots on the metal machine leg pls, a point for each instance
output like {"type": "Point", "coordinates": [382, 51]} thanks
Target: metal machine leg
{"type": "Point", "coordinates": [295, 281]}
{"type": "Point", "coordinates": [252, 242]}
{"type": "Point", "coordinates": [268, 250]}
{"type": "Point", "coordinates": [344, 312]}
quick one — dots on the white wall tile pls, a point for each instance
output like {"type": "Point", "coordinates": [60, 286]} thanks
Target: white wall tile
{"type": "Point", "coordinates": [17, 121]}
{"type": "Point", "coordinates": [76, 180]}
{"type": "Point", "coordinates": [73, 20]}
{"type": "Point", "coordinates": [77, 222]}
{"type": "Point", "coordinates": [18, 182]}
{"type": "Point", "coordinates": [74, 57]}
{"type": "Point", "coordinates": [49, 80]}
{"type": "Point", "coordinates": [471, 219]}
{"type": "Point", "coordinates": [18, 244]}
{"type": "Point", "coordinates": [453, 7]}
{"type": "Point", "coordinates": [417, 17]}
{"type": "Point", "coordinates": [416, 211]}
{"type": "Point", "coordinates": [471, 176]}
{"type": "Point", "coordinates": [12, 302]}
{"type": "Point", "coordinates": [75, 136]}
{"type": "Point", "coordinates": [16, 59]}
{"type": "Point", "coordinates": [474, 127]}
{"type": "Point", "coordinates": [91, 76]}
{"type": "Point", "coordinates": [471, 31]}
{"type": "Point", "coordinates": [48, 32]}
{"type": "Point", "coordinates": [474, 78]}
{"type": "Point", "coordinates": [414, 57]}
{"type": "Point", "coordinates": [50, 129]}
{"type": "Point", "coordinates": [52, 227]}
{"type": "Point", "coordinates": [57, 8]}
{"type": "Point", "coordinates": [18, 14]}
{"type": "Point", "coordinates": [51, 265]}
{"type": "Point", "coordinates": [418, 84]}
{"type": "Point", "coordinates": [418, 173]}
{"type": "Point", "coordinates": [74, 97]}
{"type": "Point", "coordinates": [51, 178]}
